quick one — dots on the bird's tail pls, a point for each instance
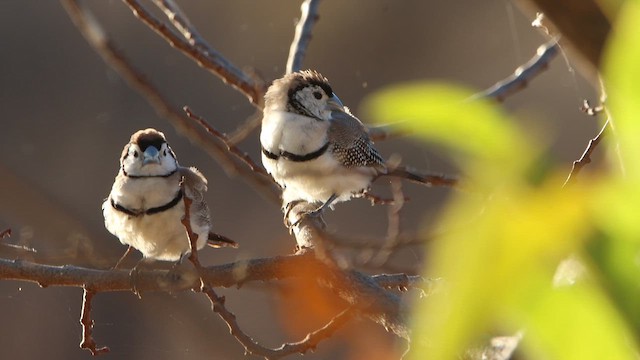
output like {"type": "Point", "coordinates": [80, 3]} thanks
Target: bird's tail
{"type": "Point", "coordinates": [425, 179]}
{"type": "Point", "coordinates": [218, 241]}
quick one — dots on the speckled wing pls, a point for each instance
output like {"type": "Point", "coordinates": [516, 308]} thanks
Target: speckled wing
{"type": "Point", "coordinates": [195, 185]}
{"type": "Point", "coordinates": [351, 144]}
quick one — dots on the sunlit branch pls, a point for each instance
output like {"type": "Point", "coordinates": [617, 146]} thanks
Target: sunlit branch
{"type": "Point", "coordinates": [523, 74]}
{"type": "Point", "coordinates": [302, 37]}
{"type": "Point", "coordinates": [198, 50]}
{"type": "Point", "coordinates": [87, 325]}
{"type": "Point", "coordinates": [586, 155]}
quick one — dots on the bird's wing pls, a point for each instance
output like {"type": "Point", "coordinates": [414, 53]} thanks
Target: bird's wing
{"type": "Point", "coordinates": [351, 143]}
{"type": "Point", "coordinates": [195, 185]}
{"type": "Point", "coordinates": [194, 182]}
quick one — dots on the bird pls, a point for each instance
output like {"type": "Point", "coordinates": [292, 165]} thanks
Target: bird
{"type": "Point", "coordinates": [145, 206]}
{"type": "Point", "coordinates": [317, 150]}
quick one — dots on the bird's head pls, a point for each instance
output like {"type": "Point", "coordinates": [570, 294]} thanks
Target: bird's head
{"type": "Point", "coordinates": [305, 93]}
{"type": "Point", "coordinates": [148, 154]}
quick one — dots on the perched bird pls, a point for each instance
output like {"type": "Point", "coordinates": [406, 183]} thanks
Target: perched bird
{"type": "Point", "coordinates": [312, 145]}
{"type": "Point", "coordinates": [145, 206]}
{"type": "Point", "coordinates": [316, 149]}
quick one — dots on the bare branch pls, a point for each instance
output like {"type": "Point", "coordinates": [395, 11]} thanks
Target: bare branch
{"type": "Point", "coordinates": [302, 37]}
{"type": "Point", "coordinates": [410, 174]}
{"type": "Point", "coordinates": [523, 74]}
{"type": "Point", "coordinates": [87, 325]}
{"type": "Point", "coordinates": [97, 38]}
{"type": "Point", "coordinates": [359, 290]}
{"type": "Point", "coordinates": [312, 339]}
{"type": "Point", "coordinates": [225, 140]}
{"type": "Point", "coordinates": [182, 23]}
{"type": "Point", "coordinates": [586, 155]}
{"type": "Point", "coordinates": [198, 50]}
{"type": "Point", "coordinates": [310, 342]}
{"type": "Point", "coordinates": [245, 129]}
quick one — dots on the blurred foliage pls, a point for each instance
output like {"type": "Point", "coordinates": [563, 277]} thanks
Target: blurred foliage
{"type": "Point", "coordinates": [507, 235]}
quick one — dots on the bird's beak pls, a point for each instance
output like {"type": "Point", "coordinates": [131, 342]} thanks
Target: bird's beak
{"type": "Point", "coordinates": [151, 156]}
{"type": "Point", "coordinates": [335, 104]}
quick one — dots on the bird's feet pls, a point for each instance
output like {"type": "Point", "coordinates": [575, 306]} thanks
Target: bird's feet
{"type": "Point", "coordinates": [134, 275]}
{"type": "Point", "coordinates": [298, 210]}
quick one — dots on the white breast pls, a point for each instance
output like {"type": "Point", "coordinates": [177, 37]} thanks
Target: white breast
{"type": "Point", "coordinates": [158, 236]}
{"type": "Point", "coordinates": [297, 134]}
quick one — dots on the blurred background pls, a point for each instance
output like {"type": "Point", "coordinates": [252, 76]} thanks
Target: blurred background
{"type": "Point", "coordinates": [67, 115]}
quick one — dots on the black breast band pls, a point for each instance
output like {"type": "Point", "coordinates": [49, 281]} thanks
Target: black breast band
{"type": "Point", "coordinates": [295, 157]}
{"type": "Point", "coordinates": [151, 211]}
{"type": "Point", "coordinates": [148, 176]}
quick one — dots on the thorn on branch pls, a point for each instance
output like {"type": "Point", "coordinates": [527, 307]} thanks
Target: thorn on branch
{"type": "Point", "coordinates": [87, 325]}
{"type": "Point", "coordinates": [586, 155]}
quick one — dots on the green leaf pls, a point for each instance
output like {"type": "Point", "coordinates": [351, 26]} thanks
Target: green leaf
{"type": "Point", "coordinates": [622, 80]}
{"type": "Point", "coordinates": [476, 132]}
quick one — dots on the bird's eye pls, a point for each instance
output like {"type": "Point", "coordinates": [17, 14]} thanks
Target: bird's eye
{"type": "Point", "coordinates": [317, 95]}
{"type": "Point", "coordinates": [164, 153]}
{"type": "Point", "coordinates": [135, 154]}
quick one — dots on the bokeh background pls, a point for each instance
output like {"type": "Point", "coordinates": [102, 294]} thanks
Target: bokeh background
{"type": "Point", "coordinates": [66, 116]}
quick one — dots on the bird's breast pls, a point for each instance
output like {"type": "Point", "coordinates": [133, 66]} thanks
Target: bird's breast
{"type": "Point", "coordinates": [145, 193]}
{"type": "Point", "coordinates": [296, 134]}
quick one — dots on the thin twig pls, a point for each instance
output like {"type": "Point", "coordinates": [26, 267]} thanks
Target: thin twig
{"type": "Point", "coordinates": [410, 174]}
{"type": "Point", "coordinates": [523, 74]}
{"type": "Point", "coordinates": [246, 128]}
{"type": "Point", "coordinates": [302, 37]}
{"type": "Point", "coordinates": [310, 342]}
{"type": "Point", "coordinates": [98, 39]}
{"type": "Point", "coordinates": [393, 227]}
{"type": "Point", "coordinates": [181, 22]}
{"type": "Point", "coordinates": [312, 339]}
{"type": "Point", "coordinates": [198, 50]}
{"type": "Point", "coordinates": [225, 140]}
{"type": "Point", "coordinates": [586, 155]}
{"type": "Point", "coordinates": [87, 325]}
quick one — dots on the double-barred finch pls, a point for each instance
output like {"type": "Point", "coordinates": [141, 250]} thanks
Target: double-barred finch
{"type": "Point", "coordinates": [312, 145]}
{"type": "Point", "coordinates": [316, 149]}
{"type": "Point", "coordinates": [145, 206]}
